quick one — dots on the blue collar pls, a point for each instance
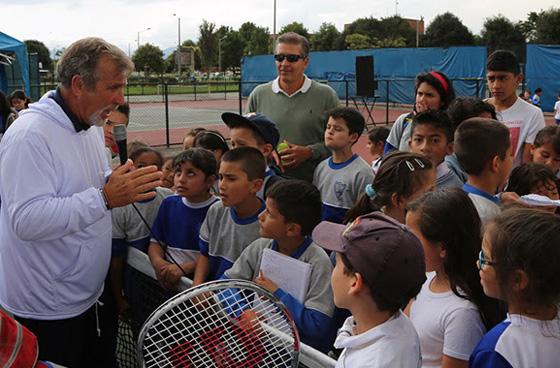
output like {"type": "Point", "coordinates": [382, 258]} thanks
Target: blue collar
{"type": "Point", "coordinates": [269, 172]}
{"type": "Point", "coordinates": [78, 125]}
{"type": "Point", "coordinates": [246, 220]}
{"type": "Point", "coordinates": [341, 165]}
{"type": "Point", "coordinates": [299, 251]}
{"type": "Point", "coordinates": [470, 189]}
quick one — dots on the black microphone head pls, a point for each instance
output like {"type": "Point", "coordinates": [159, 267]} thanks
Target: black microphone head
{"type": "Point", "coordinates": [119, 132]}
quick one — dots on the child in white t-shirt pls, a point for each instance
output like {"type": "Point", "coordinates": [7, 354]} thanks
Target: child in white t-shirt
{"type": "Point", "coordinates": [557, 110]}
{"type": "Point", "coordinates": [517, 265]}
{"type": "Point", "coordinates": [523, 119]}
{"type": "Point", "coordinates": [379, 266]}
{"type": "Point", "coordinates": [451, 310]}
{"type": "Point", "coordinates": [376, 145]}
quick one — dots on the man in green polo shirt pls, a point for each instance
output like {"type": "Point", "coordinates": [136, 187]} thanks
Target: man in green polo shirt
{"type": "Point", "coordinates": [297, 105]}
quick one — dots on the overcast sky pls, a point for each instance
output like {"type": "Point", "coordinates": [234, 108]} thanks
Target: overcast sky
{"type": "Point", "coordinates": [59, 22]}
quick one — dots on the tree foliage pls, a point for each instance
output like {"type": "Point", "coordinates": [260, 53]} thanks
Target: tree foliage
{"type": "Point", "coordinates": [43, 54]}
{"type": "Point", "coordinates": [296, 27]}
{"type": "Point", "coordinates": [256, 39]}
{"type": "Point", "coordinates": [548, 27]}
{"type": "Point", "coordinates": [500, 33]}
{"type": "Point", "coordinates": [447, 30]}
{"type": "Point", "coordinates": [149, 58]}
{"type": "Point", "coordinates": [208, 44]}
{"type": "Point", "coordinates": [386, 31]}
{"type": "Point", "coordinates": [327, 38]}
{"type": "Point", "coordinates": [356, 41]}
{"type": "Point", "coordinates": [232, 50]}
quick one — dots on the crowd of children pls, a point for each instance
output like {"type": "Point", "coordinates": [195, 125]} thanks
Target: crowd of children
{"type": "Point", "coordinates": [436, 260]}
{"type": "Point", "coordinates": [432, 269]}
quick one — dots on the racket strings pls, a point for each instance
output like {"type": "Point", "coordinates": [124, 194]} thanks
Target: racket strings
{"type": "Point", "coordinates": [227, 328]}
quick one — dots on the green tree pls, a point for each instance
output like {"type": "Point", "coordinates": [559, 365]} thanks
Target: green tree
{"type": "Point", "coordinates": [149, 58]}
{"type": "Point", "coordinates": [208, 44]}
{"type": "Point", "coordinates": [548, 27]}
{"type": "Point", "coordinates": [385, 32]}
{"type": "Point", "coordinates": [232, 50]}
{"type": "Point", "coordinates": [256, 39]}
{"type": "Point", "coordinates": [357, 41]}
{"type": "Point", "coordinates": [529, 26]}
{"type": "Point", "coordinates": [327, 38]}
{"type": "Point", "coordinates": [296, 27]}
{"type": "Point", "coordinates": [500, 33]}
{"type": "Point", "coordinates": [34, 46]}
{"type": "Point", "coordinates": [447, 30]}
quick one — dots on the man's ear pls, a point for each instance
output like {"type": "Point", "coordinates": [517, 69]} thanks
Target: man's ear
{"type": "Point", "coordinates": [77, 85]}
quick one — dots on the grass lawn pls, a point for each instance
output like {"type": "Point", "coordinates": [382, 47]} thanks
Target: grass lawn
{"type": "Point", "coordinates": [152, 89]}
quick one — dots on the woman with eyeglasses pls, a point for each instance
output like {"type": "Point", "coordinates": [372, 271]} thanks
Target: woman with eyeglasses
{"type": "Point", "coordinates": [451, 312]}
{"type": "Point", "coordinates": [519, 265]}
{"type": "Point", "coordinates": [433, 91]}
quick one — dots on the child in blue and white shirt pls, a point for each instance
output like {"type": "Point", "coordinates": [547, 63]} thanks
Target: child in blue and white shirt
{"type": "Point", "coordinates": [180, 216]}
{"type": "Point", "coordinates": [342, 178]}
{"type": "Point", "coordinates": [515, 266]}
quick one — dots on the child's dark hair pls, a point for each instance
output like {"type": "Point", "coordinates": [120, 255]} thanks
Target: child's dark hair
{"type": "Point", "coordinates": [437, 119]}
{"type": "Point", "coordinates": [298, 201]}
{"type": "Point", "coordinates": [353, 118]}
{"type": "Point", "coordinates": [459, 233]}
{"type": "Point", "coordinates": [441, 83]}
{"type": "Point", "coordinates": [503, 61]}
{"type": "Point", "coordinates": [526, 239]}
{"type": "Point", "coordinates": [141, 150]}
{"type": "Point", "coordinates": [538, 90]}
{"type": "Point", "coordinates": [134, 145]}
{"type": "Point", "coordinates": [400, 173]}
{"type": "Point", "coordinates": [478, 141]}
{"type": "Point", "coordinates": [20, 95]}
{"type": "Point", "coordinates": [124, 109]}
{"type": "Point", "coordinates": [382, 303]}
{"type": "Point", "coordinates": [378, 134]}
{"type": "Point", "coordinates": [250, 159]}
{"type": "Point", "coordinates": [463, 108]}
{"type": "Point", "coordinates": [525, 177]}
{"type": "Point", "coordinates": [549, 134]}
{"type": "Point", "coordinates": [194, 132]}
{"type": "Point", "coordinates": [211, 140]}
{"type": "Point", "coordinates": [200, 158]}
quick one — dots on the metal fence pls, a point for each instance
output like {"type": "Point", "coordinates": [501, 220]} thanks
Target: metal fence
{"type": "Point", "coordinates": [162, 113]}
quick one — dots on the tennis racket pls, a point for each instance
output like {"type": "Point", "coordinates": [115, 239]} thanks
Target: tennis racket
{"type": "Point", "coordinates": [224, 323]}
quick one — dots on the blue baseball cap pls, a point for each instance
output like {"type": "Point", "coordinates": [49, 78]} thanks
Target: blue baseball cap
{"type": "Point", "coordinates": [257, 122]}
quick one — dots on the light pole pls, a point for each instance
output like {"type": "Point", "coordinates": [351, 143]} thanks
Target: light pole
{"type": "Point", "coordinates": [138, 37]}
{"type": "Point", "coordinates": [220, 54]}
{"type": "Point", "coordinates": [178, 53]}
{"type": "Point", "coordinates": [274, 28]}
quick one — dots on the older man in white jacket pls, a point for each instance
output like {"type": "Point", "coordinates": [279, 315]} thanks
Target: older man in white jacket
{"type": "Point", "coordinates": [56, 192]}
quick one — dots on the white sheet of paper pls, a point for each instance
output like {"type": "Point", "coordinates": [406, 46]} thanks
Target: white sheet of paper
{"type": "Point", "coordinates": [290, 274]}
{"type": "Point", "coordinates": [539, 200]}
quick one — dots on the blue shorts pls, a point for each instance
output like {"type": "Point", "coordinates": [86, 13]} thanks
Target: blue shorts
{"type": "Point", "coordinates": [557, 121]}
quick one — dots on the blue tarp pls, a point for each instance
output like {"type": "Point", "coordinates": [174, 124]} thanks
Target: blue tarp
{"type": "Point", "coordinates": [10, 44]}
{"type": "Point", "coordinates": [399, 66]}
{"type": "Point", "coordinates": [543, 70]}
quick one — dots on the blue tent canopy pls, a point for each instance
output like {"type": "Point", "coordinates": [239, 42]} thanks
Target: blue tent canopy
{"type": "Point", "coordinates": [543, 70]}
{"type": "Point", "coordinates": [9, 45]}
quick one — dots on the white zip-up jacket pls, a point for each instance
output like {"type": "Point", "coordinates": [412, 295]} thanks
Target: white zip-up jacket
{"type": "Point", "coordinates": [55, 231]}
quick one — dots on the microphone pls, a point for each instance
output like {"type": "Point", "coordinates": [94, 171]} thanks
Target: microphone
{"type": "Point", "coordinates": [119, 134]}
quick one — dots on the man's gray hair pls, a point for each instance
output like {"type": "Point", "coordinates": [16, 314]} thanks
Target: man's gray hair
{"type": "Point", "coordinates": [292, 38]}
{"type": "Point", "coordinates": [81, 57]}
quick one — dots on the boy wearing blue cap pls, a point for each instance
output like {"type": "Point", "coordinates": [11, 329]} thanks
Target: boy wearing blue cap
{"type": "Point", "coordinates": [257, 131]}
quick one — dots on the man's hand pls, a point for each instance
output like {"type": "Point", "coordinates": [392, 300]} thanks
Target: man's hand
{"type": "Point", "coordinates": [126, 186]}
{"type": "Point", "coordinates": [294, 155]}
{"type": "Point", "coordinates": [266, 283]}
